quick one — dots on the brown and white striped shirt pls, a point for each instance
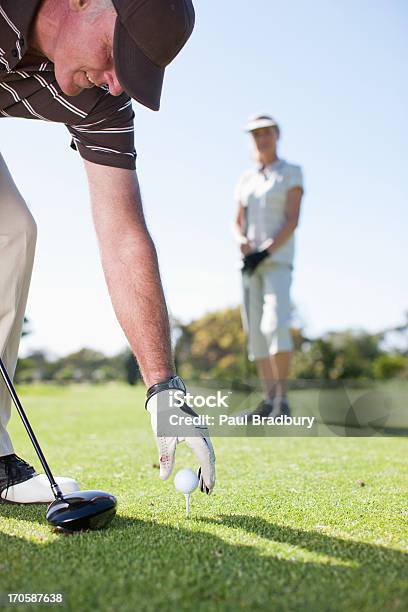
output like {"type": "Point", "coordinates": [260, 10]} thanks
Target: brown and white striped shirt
{"type": "Point", "coordinates": [101, 125]}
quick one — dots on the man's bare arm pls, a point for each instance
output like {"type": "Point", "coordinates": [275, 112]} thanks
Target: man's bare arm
{"type": "Point", "coordinates": [131, 269]}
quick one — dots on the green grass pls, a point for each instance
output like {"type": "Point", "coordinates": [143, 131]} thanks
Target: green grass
{"type": "Point", "coordinates": [288, 527]}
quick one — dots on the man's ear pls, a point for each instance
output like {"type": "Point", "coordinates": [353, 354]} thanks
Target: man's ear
{"type": "Point", "coordinates": [79, 5]}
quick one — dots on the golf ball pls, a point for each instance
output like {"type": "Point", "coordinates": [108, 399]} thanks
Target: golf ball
{"type": "Point", "coordinates": [186, 481]}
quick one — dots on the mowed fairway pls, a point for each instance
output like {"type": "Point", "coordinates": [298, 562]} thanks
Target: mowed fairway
{"type": "Point", "coordinates": [288, 526]}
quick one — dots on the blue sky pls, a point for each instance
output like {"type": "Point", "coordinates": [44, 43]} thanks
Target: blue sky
{"type": "Point", "coordinates": [334, 75]}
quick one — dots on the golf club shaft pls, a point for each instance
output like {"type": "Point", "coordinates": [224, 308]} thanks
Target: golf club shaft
{"type": "Point", "coordinates": [246, 304]}
{"type": "Point", "coordinates": [54, 486]}
{"type": "Point", "coordinates": [246, 344]}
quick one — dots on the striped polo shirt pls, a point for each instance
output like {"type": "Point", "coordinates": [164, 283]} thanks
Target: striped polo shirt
{"type": "Point", "coordinates": [100, 125]}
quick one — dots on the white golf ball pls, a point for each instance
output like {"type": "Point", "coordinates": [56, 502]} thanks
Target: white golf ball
{"type": "Point", "coordinates": [186, 481]}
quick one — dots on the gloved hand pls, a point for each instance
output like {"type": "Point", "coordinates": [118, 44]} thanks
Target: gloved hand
{"type": "Point", "coordinates": [197, 437]}
{"type": "Point", "coordinates": [252, 261]}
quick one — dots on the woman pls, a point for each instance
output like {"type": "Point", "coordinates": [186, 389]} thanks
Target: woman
{"type": "Point", "coordinates": [269, 198]}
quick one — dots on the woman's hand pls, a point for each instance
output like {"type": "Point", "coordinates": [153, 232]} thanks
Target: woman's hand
{"type": "Point", "coordinates": [268, 245]}
{"type": "Point", "coordinates": [245, 247]}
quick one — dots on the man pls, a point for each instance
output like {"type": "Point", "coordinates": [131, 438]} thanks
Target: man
{"type": "Point", "coordinates": [76, 62]}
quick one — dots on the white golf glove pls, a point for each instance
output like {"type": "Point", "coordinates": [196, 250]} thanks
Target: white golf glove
{"type": "Point", "coordinates": [197, 437]}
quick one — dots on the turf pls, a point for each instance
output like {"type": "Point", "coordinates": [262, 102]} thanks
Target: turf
{"type": "Point", "coordinates": [290, 525]}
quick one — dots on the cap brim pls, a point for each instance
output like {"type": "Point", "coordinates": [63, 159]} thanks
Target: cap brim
{"type": "Point", "coordinates": [139, 77]}
{"type": "Point", "coordinates": [258, 124]}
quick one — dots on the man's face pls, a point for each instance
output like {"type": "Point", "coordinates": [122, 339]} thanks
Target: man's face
{"type": "Point", "coordinates": [83, 55]}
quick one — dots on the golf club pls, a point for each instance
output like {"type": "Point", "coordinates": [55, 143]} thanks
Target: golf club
{"type": "Point", "coordinates": [246, 301]}
{"type": "Point", "coordinates": [76, 511]}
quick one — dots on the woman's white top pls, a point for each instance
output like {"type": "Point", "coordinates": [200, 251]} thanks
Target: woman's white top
{"type": "Point", "coordinates": [263, 194]}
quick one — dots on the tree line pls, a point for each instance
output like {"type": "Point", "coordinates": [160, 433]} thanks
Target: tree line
{"type": "Point", "coordinates": [213, 347]}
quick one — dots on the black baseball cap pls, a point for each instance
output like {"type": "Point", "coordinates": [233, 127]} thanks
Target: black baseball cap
{"type": "Point", "coordinates": [148, 36]}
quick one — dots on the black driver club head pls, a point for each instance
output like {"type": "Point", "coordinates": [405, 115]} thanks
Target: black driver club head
{"type": "Point", "coordinates": [82, 510]}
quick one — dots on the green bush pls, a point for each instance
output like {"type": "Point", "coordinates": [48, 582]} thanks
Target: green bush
{"type": "Point", "coordinates": [391, 366]}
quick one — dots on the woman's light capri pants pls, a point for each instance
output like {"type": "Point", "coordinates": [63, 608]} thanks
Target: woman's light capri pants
{"type": "Point", "coordinates": [17, 246]}
{"type": "Point", "coordinates": [266, 310]}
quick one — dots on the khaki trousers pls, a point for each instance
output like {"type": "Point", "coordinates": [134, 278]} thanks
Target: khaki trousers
{"type": "Point", "coordinates": [266, 310]}
{"type": "Point", "coordinates": [17, 246]}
